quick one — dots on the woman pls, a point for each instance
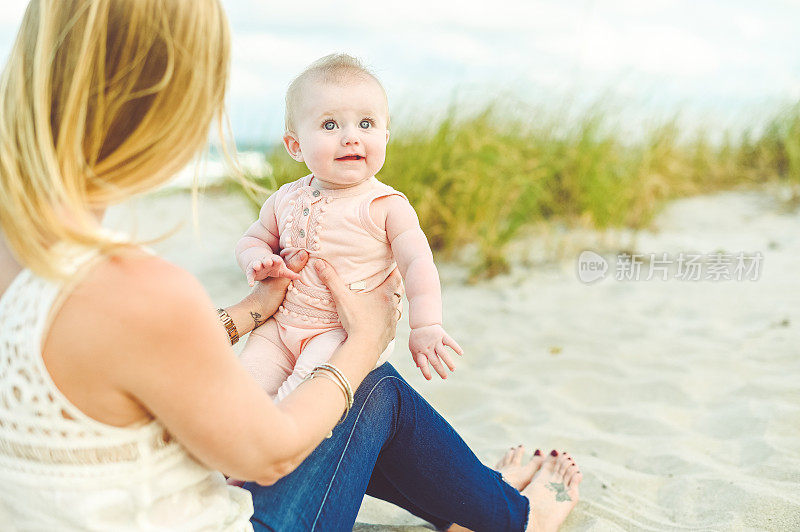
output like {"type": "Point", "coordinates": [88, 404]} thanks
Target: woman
{"type": "Point", "coordinates": [121, 397]}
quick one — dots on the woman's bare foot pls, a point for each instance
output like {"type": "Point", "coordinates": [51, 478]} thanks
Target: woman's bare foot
{"type": "Point", "coordinates": [514, 471]}
{"type": "Point", "coordinates": [553, 492]}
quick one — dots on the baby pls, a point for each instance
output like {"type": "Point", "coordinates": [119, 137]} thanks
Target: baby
{"type": "Point", "coordinates": [337, 119]}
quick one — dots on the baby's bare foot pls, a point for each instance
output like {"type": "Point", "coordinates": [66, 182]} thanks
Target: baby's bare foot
{"type": "Point", "coordinates": [514, 471]}
{"type": "Point", "coordinates": [553, 492]}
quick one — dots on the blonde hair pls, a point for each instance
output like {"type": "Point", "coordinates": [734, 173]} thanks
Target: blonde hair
{"type": "Point", "coordinates": [333, 68]}
{"type": "Point", "coordinates": [101, 100]}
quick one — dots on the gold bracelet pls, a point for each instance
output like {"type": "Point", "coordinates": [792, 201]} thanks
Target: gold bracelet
{"type": "Point", "coordinates": [320, 372]}
{"type": "Point", "coordinates": [227, 321]}
{"type": "Point", "coordinates": [332, 376]}
{"type": "Point", "coordinates": [342, 379]}
{"type": "Point", "coordinates": [346, 383]}
{"type": "Point", "coordinates": [338, 385]}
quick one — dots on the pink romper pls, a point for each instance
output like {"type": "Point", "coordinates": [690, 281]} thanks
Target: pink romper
{"type": "Point", "coordinates": [334, 225]}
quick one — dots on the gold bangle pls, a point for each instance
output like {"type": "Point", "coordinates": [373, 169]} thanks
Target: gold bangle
{"type": "Point", "coordinates": [320, 372]}
{"type": "Point", "coordinates": [341, 388]}
{"type": "Point", "coordinates": [342, 379]}
{"type": "Point", "coordinates": [227, 321]}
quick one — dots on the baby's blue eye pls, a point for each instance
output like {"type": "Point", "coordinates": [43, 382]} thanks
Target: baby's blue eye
{"type": "Point", "coordinates": [366, 124]}
{"type": "Point", "coordinates": [329, 124]}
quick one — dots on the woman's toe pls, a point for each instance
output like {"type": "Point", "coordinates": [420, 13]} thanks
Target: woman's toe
{"type": "Point", "coordinates": [549, 463]}
{"type": "Point", "coordinates": [572, 463]}
{"type": "Point", "coordinates": [562, 464]}
{"type": "Point", "coordinates": [575, 480]}
{"type": "Point", "coordinates": [569, 473]}
{"type": "Point", "coordinates": [533, 465]}
{"type": "Point", "coordinates": [505, 459]}
{"type": "Point", "coordinates": [517, 454]}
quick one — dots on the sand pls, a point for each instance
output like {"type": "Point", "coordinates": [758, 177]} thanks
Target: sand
{"type": "Point", "coordinates": [679, 400]}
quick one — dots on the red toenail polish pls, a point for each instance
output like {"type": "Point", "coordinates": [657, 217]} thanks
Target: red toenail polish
{"type": "Point", "coordinates": [553, 453]}
{"type": "Point", "coordinates": [537, 452]}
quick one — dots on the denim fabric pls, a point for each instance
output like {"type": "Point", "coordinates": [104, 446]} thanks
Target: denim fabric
{"type": "Point", "coordinates": [394, 446]}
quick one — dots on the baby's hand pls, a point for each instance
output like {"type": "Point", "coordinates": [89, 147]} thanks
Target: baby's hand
{"type": "Point", "coordinates": [428, 344]}
{"type": "Point", "coordinates": [268, 265]}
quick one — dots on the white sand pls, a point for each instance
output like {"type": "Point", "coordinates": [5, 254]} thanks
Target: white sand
{"type": "Point", "coordinates": [679, 400]}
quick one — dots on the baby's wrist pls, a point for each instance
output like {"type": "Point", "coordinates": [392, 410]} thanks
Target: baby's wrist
{"type": "Point", "coordinates": [422, 326]}
{"type": "Point", "coordinates": [252, 253]}
{"type": "Point", "coordinates": [245, 258]}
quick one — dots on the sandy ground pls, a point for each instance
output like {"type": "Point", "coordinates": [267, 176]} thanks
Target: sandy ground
{"type": "Point", "coordinates": [680, 400]}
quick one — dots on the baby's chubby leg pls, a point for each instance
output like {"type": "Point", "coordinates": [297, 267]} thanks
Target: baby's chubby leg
{"type": "Point", "coordinates": [266, 358]}
{"type": "Point", "coordinates": [316, 351]}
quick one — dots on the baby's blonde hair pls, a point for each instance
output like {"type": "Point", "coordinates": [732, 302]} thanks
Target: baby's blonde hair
{"type": "Point", "coordinates": [333, 68]}
{"type": "Point", "coordinates": [100, 100]}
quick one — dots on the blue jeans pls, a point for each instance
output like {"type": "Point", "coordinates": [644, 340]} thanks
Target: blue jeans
{"type": "Point", "coordinates": [394, 446]}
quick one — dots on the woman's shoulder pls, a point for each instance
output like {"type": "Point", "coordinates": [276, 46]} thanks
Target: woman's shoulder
{"type": "Point", "coordinates": [125, 309]}
{"type": "Point", "coordinates": [138, 271]}
{"type": "Point", "coordinates": [130, 307]}
{"type": "Point", "coordinates": [138, 287]}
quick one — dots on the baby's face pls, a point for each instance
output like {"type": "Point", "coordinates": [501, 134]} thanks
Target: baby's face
{"type": "Point", "coordinates": [342, 131]}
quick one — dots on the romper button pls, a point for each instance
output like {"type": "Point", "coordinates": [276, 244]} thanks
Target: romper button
{"type": "Point", "coordinates": [316, 193]}
{"type": "Point", "coordinates": [328, 200]}
{"type": "Point", "coordinates": [305, 211]}
{"type": "Point", "coordinates": [302, 233]}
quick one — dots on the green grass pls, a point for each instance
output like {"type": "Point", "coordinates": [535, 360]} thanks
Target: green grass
{"type": "Point", "coordinates": [480, 179]}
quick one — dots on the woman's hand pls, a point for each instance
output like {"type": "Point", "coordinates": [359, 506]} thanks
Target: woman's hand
{"type": "Point", "coordinates": [366, 316]}
{"type": "Point", "coordinates": [268, 294]}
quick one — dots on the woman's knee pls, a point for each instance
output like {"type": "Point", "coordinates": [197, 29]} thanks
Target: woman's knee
{"type": "Point", "coordinates": [375, 376]}
{"type": "Point", "coordinates": [380, 393]}
{"type": "Point", "coordinates": [383, 384]}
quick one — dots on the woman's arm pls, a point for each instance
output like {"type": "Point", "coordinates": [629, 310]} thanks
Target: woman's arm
{"type": "Point", "coordinates": [162, 343]}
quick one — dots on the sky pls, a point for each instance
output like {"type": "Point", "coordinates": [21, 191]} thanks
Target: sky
{"type": "Point", "coordinates": [721, 62]}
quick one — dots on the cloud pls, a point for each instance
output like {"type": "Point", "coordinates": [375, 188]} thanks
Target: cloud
{"type": "Point", "coordinates": [712, 53]}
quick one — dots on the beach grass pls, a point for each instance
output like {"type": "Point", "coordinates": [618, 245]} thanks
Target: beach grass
{"type": "Point", "coordinates": [479, 180]}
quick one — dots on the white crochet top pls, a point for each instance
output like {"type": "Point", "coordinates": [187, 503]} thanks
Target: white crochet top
{"type": "Point", "coordinates": [62, 470]}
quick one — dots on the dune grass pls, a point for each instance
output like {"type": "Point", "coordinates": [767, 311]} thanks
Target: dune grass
{"type": "Point", "coordinates": [481, 179]}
